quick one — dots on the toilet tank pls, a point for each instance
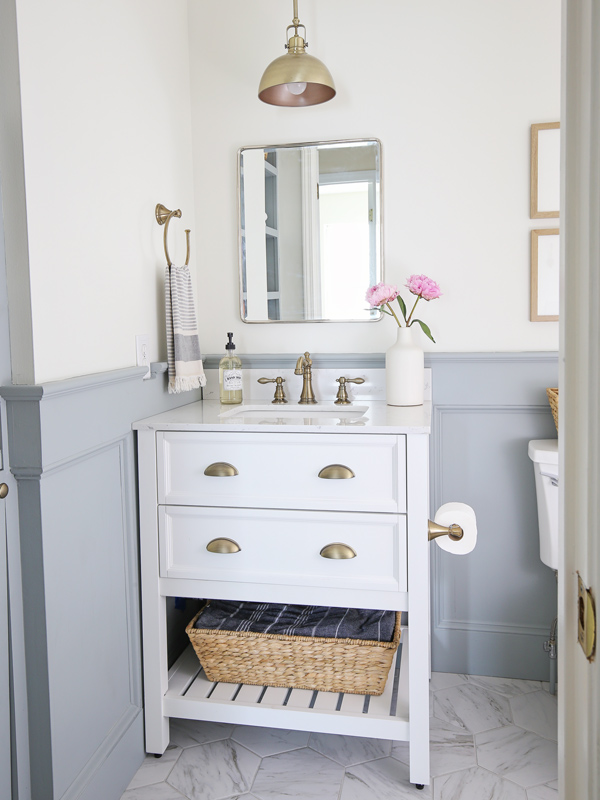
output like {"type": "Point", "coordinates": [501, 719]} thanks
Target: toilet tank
{"type": "Point", "coordinates": [544, 454]}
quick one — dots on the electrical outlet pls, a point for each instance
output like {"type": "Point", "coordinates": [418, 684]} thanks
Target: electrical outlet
{"type": "Point", "coordinates": [142, 346]}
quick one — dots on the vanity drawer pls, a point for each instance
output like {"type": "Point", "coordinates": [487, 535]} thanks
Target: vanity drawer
{"type": "Point", "coordinates": [282, 470]}
{"type": "Point", "coordinates": [284, 547]}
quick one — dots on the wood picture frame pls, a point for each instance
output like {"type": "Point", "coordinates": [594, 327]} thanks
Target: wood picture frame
{"type": "Point", "coordinates": [545, 260]}
{"type": "Point", "coordinates": [545, 170]}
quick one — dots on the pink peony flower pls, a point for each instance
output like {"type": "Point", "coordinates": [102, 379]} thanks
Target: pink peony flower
{"type": "Point", "coordinates": [423, 287]}
{"type": "Point", "coordinates": [381, 293]}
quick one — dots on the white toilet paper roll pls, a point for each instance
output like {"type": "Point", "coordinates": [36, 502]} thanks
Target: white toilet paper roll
{"type": "Point", "coordinates": [457, 514]}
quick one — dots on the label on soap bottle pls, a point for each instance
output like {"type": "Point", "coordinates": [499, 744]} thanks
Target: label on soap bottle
{"type": "Point", "coordinates": [232, 380]}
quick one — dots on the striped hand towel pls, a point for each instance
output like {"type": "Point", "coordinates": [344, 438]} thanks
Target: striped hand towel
{"type": "Point", "coordinates": [183, 347]}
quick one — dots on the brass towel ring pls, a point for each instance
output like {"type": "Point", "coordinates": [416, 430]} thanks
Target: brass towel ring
{"type": "Point", "coordinates": [163, 217]}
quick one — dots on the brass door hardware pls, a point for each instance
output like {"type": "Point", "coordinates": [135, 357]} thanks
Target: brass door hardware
{"type": "Point", "coordinates": [304, 368]}
{"type": "Point", "coordinates": [454, 532]}
{"type": "Point", "coordinates": [342, 395]}
{"type": "Point", "coordinates": [3, 491]}
{"type": "Point", "coordinates": [279, 391]}
{"type": "Point", "coordinates": [163, 217]}
{"type": "Point", "coordinates": [337, 550]}
{"type": "Point", "coordinates": [221, 469]}
{"type": "Point", "coordinates": [586, 624]}
{"type": "Point", "coordinates": [336, 472]}
{"type": "Point", "coordinates": [223, 545]}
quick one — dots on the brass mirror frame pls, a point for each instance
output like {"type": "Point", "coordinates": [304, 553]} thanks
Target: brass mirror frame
{"type": "Point", "coordinates": [239, 225]}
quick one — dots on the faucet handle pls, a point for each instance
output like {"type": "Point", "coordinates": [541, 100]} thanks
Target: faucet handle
{"type": "Point", "coordinates": [342, 395]}
{"type": "Point", "coordinates": [279, 392]}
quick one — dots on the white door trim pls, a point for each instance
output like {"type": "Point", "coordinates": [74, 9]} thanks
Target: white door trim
{"type": "Point", "coordinates": [579, 424]}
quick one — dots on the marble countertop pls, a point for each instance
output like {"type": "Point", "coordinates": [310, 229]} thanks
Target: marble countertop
{"type": "Point", "coordinates": [360, 417]}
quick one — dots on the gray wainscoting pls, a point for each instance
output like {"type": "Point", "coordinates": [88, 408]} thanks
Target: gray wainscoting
{"type": "Point", "coordinates": [492, 609]}
{"type": "Point", "coordinates": [72, 452]}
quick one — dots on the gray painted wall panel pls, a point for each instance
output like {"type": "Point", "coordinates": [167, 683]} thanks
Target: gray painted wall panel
{"type": "Point", "coordinates": [87, 579]}
{"type": "Point", "coordinates": [73, 456]}
{"type": "Point", "coordinates": [491, 609]}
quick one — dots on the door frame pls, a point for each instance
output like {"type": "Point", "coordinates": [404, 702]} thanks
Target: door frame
{"type": "Point", "coordinates": [17, 688]}
{"type": "Point", "coordinates": [579, 382]}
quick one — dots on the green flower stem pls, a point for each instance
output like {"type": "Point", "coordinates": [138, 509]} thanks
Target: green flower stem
{"type": "Point", "coordinates": [394, 315]}
{"type": "Point", "coordinates": [413, 311]}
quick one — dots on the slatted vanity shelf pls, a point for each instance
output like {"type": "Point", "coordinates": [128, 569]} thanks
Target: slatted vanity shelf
{"type": "Point", "coordinates": [281, 515]}
{"type": "Point", "coordinates": [192, 696]}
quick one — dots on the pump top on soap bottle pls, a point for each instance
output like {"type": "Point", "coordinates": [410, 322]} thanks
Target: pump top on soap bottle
{"type": "Point", "coordinates": [230, 375]}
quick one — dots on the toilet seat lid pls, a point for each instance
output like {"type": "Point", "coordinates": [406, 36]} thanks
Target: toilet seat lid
{"type": "Point", "coordinates": [543, 451]}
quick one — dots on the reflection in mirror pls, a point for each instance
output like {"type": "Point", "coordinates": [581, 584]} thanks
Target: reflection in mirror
{"type": "Point", "coordinates": [310, 231]}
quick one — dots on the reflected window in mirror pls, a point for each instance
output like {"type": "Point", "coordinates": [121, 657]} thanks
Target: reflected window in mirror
{"type": "Point", "coordinates": [310, 231]}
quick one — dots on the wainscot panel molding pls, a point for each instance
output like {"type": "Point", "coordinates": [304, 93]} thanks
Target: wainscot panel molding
{"type": "Point", "coordinates": [371, 360]}
{"type": "Point", "coordinates": [72, 453]}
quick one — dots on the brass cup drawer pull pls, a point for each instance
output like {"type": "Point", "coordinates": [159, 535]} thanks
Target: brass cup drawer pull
{"type": "Point", "coordinates": [223, 545]}
{"type": "Point", "coordinates": [336, 472]}
{"type": "Point", "coordinates": [221, 469]}
{"type": "Point", "coordinates": [337, 550]}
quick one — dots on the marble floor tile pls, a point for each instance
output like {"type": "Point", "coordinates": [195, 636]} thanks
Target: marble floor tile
{"type": "Point", "coordinates": [537, 712]}
{"type": "Point", "coordinates": [509, 687]}
{"type": "Point", "coordinates": [444, 680]}
{"type": "Point", "coordinates": [158, 791]}
{"type": "Point", "coordinates": [215, 770]}
{"type": "Point", "coordinates": [349, 750]}
{"type": "Point", "coordinates": [301, 774]}
{"type": "Point", "coordinates": [155, 770]}
{"type": "Point", "coordinates": [190, 732]}
{"type": "Point", "coordinates": [476, 784]}
{"type": "Point", "coordinates": [386, 779]}
{"type": "Point", "coordinates": [269, 741]}
{"type": "Point", "coordinates": [520, 756]}
{"type": "Point", "coordinates": [545, 792]}
{"type": "Point", "coordinates": [472, 707]}
{"type": "Point", "coordinates": [451, 748]}
{"type": "Point", "coordinates": [246, 796]}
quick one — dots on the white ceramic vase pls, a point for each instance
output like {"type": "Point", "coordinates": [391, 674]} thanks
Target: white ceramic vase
{"type": "Point", "coordinates": [404, 371]}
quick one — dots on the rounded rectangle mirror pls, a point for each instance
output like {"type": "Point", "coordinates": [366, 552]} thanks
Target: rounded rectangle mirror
{"type": "Point", "coordinates": [310, 231]}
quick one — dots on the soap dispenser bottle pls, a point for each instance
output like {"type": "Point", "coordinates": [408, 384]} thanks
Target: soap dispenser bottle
{"type": "Point", "coordinates": [230, 375]}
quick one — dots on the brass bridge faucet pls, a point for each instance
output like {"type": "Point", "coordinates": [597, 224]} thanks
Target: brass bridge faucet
{"type": "Point", "coordinates": [304, 368]}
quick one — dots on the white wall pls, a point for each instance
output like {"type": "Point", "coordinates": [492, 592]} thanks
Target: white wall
{"type": "Point", "coordinates": [107, 135]}
{"type": "Point", "coordinates": [451, 90]}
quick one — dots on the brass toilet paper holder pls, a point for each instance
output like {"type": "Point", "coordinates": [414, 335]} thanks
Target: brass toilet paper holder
{"type": "Point", "coordinates": [455, 532]}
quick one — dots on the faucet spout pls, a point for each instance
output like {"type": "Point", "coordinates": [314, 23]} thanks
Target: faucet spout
{"type": "Point", "coordinates": [304, 368]}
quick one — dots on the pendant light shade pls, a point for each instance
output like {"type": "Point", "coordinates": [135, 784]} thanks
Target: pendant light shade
{"type": "Point", "coordinates": [296, 79]}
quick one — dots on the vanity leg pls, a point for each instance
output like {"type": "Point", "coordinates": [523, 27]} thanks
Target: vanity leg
{"type": "Point", "coordinates": [418, 609]}
{"type": "Point", "coordinates": [154, 611]}
{"type": "Point", "coordinates": [155, 677]}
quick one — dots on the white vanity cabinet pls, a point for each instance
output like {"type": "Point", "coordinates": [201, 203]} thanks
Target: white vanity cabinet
{"type": "Point", "coordinates": [282, 514]}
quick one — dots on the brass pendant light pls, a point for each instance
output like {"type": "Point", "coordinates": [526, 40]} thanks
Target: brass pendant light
{"type": "Point", "coordinates": [296, 79]}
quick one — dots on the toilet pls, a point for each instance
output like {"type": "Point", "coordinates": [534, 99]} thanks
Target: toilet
{"type": "Point", "coordinates": [544, 454]}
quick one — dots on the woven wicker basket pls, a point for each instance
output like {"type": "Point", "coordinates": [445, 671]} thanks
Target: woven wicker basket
{"type": "Point", "coordinates": [553, 399]}
{"type": "Point", "coordinates": [355, 666]}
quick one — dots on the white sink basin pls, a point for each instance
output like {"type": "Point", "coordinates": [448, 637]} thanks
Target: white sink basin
{"type": "Point", "coordinates": [264, 411]}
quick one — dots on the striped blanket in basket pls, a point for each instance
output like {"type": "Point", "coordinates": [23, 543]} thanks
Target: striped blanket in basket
{"type": "Point", "coordinates": [294, 620]}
